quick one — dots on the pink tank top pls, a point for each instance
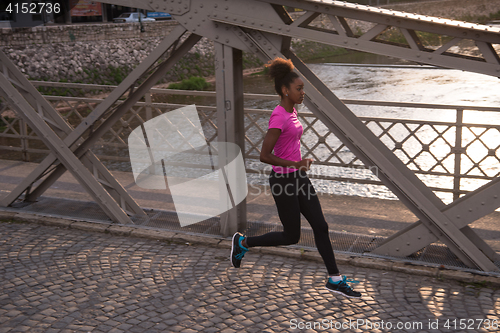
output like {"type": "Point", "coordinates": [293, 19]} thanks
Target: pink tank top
{"type": "Point", "coordinates": [288, 145]}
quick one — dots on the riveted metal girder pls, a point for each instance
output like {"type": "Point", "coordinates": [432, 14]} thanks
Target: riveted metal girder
{"type": "Point", "coordinates": [488, 63]}
{"type": "Point", "coordinates": [61, 150]}
{"type": "Point", "coordinates": [395, 175]}
{"type": "Point", "coordinates": [230, 120]}
{"type": "Point", "coordinates": [70, 147]}
{"type": "Point", "coordinates": [62, 129]}
{"type": "Point", "coordinates": [120, 110]}
{"type": "Point", "coordinates": [389, 17]}
{"type": "Point", "coordinates": [463, 211]}
{"type": "Point", "coordinates": [204, 17]}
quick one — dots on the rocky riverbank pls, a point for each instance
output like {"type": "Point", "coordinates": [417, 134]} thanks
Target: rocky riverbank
{"type": "Point", "coordinates": [102, 62]}
{"type": "Point", "coordinates": [109, 61]}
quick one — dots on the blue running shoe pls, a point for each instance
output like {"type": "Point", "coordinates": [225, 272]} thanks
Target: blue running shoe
{"type": "Point", "coordinates": [237, 250]}
{"type": "Point", "coordinates": [341, 287]}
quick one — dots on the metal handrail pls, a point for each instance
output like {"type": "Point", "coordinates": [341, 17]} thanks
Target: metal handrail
{"type": "Point", "coordinates": [271, 97]}
{"type": "Point", "coordinates": [457, 152]}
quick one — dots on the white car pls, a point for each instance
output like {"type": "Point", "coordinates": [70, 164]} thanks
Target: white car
{"type": "Point", "coordinates": [495, 23]}
{"type": "Point", "coordinates": [132, 17]}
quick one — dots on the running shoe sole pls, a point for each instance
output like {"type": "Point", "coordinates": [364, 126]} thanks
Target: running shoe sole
{"type": "Point", "coordinates": [341, 293]}
{"type": "Point", "coordinates": [232, 249]}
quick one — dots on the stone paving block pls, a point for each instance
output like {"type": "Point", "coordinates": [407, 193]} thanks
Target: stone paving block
{"type": "Point", "coordinates": [6, 215]}
{"type": "Point", "coordinates": [415, 269]}
{"type": "Point", "coordinates": [342, 258]}
{"type": "Point", "coordinates": [312, 255]}
{"type": "Point", "coordinates": [194, 239]}
{"type": "Point", "coordinates": [101, 282]}
{"type": "Point", "coordinates": [26, 217]}
{"type": "Point", "coordinates": [489, 280]}
{"type": "Point", "coordinates": [162, 235]}
{"type": "Point", "coordinates": [119, 230]}
{"type": "Point", "coordinates": [456, 275]}
{"type": "Point", "coordinates": [372, 263]}
{"type": "Point", "coordinates": [44, 220]}
{"type": "Point", "coordinates": [55, 222]}
{"type": "Point", "coordinates": [225, 244]}
{"type": "Point", "coordinates": [89, 226]}
{"type": "Point", "coordinates": [282, 251]}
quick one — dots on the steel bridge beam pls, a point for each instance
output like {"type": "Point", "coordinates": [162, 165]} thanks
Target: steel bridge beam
{"type": "Point", "coordinates": [78, 146]}
{"type": "Point", "coordinates": [409, 189]}
{"type": "Point", "coordinates": [418, 197]}
{"type": "Point", "coordinates": [230, 122]}
{"type": "Point", "coordinates": [137, 94]}
{"type": "Point", "coordinates": [37, 122]}
{"type": "Point", "coordinates": [264, 27]}
{"type": "Point", "coordinates": [488, 63]}
{"type": "Point", "coordinates": [198, 16]}
{"type": "Point", "coordinates": [62, 129]}
{"type": "Point", "coordinates": [463, 211]}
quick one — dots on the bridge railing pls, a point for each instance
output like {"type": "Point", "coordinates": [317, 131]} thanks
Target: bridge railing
{"type": "Point", "coordinates": [452, 157]}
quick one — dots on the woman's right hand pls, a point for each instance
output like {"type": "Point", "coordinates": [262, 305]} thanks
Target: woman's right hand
{"type": "Point", "coordinates": [305, 164]}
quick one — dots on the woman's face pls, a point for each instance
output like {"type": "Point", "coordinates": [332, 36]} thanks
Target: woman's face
{"type": "Point", "coordinates": [295, 91]}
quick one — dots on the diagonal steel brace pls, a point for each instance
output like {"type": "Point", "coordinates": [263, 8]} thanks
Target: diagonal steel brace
{"type": "Point", "coordinates": [74, 136]}
{"type": "Point", "coordinates": [98, 112]}
{"type": "Point", "coordinates": [368, 148]}
{"type": "Point", "coordinates": [120, 111]}
{"type": "Point", "coordinates": [62, 129]}
{"type": "Point", "coordinates": [463, 211]}
{"type": "Point", "coordinates": [61, 150]}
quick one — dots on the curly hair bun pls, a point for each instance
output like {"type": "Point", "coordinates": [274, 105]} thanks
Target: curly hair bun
{"type": "Point", "coordinates": [281, 70]}
{"type": "Point", "coordinates": [279, 67]}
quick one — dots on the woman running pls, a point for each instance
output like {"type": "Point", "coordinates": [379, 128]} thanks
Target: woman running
{"type": "Point", "coordinates": [290, 186]}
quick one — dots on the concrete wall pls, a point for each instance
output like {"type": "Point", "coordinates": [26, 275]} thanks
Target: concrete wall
{"type": "Point", "coordinates": [83, 33]}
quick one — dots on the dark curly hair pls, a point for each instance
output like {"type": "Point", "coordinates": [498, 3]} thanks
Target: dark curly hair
{"type": "Point", "coordinates": [281, 70]}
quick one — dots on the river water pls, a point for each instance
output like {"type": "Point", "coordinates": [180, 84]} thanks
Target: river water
{"type": "Point", "coordinates": [397, 82]}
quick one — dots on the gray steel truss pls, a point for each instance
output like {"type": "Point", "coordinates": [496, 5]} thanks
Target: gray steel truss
{"type": "Point", "coordinates": [62, 129]}
{"type": "Point", "coordinates": [265, 28]}
{"type": "Point", "coordinates": [59, 148]}
{"type": "Point", "coordinates": [391, 171]}
{"type": "Point", "coordinates": [231, 126]}
{"type": "Point", "coordinates": [78, 147]}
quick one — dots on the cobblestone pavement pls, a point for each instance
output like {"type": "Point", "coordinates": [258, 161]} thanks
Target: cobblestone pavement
{"type": "Point", "coordinates": [65, 280]}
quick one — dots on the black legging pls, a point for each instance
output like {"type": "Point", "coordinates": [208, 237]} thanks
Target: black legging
{"type": "Point", "coordinates": [294, 194]}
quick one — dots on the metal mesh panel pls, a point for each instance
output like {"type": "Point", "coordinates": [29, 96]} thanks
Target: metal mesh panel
{"type": "Point", "coordinates": [80, 210]}
{"type": "Point", "coordinates": [345, 242]}
{"type": "Point", "coordinates": [169, 220]}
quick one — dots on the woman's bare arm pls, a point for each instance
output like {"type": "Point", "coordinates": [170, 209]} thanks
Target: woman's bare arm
{"type": "Point", "coordinates": [267, 156]}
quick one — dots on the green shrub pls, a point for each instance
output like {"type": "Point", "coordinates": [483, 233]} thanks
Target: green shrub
{"type": "Point", "coordinates": [193, 83]}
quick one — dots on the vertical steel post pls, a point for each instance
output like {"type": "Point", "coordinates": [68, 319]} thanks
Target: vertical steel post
{"type": "Point", "coordinates": [23, 129]}
{"type": "Point", "coordinates": [149, 110]}
{"type": "Point", "coordinates": [230, 122]}
{"type": "Point", "coordinates": [458, 154]}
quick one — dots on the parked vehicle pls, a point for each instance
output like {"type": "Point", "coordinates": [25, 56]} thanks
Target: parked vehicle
{"type": "Point", "coordinates": [495, 23]}
{"type": "Point", "coordinates": [160, 15]}
{"type": "Point", "coordinates": [132, 17]}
